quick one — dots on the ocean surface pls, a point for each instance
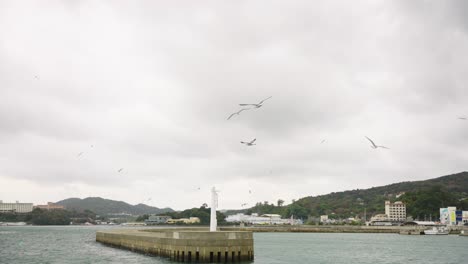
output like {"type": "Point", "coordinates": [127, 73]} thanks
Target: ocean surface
{"type": "Point", "coordinates": [76, 244]}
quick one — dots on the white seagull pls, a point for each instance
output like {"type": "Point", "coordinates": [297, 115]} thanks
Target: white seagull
{"type": "Point", "coordinates": [251, 143]}
{"type": "Point", "coordinates": [79, 154]}
{"type": "Point", "coordinates": [120, 170]}
{"type": "Point", "coordinates": [374, 146]}
{"type": "Point", "coordinates": [238, 112]}
{"type": "Point", "coordinates": [463, 118]}
{"type": "Point", "coordinates": [257, 105]}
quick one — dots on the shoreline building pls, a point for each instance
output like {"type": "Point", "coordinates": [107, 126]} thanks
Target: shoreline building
{"type": "Point", "coordinates": [451, 216]}
{"type": "Point", "coordinates": [265, 219]}
{"type": "Point", "coordinates": [49, 206]}
{"type": "Point", "coordinates": [15, 207]}
{"type": "Point", "coordinates": [191, 220]}
{"type": "Point", "coordinates": [157, 219]}
{"type": "Point", "coordinates": [396, 212]}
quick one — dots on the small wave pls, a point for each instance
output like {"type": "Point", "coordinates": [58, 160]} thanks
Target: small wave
{"type": "Point", "coordinates": [7, 232]}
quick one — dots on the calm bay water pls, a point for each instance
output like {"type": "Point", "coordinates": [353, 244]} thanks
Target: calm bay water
{"type": "Point", "coordinates": [76, 244]}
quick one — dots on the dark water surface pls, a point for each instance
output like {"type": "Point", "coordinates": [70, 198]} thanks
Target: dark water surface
{"type": "Point", "coordinates": [76, 244]}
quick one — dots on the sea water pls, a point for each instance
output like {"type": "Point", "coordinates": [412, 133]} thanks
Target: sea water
{"type": "Point", "coordinates": [76, 244]}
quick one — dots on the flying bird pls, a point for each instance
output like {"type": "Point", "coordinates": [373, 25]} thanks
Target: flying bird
{"type": "Point", "coordinates": [238, 112]}
{"type": "Point", "coordinates": [463, 118]}
{"type": "Point", "coordinates": [120, 170]}
{"type": "Point", "coordinates": [250, 191]}
{"type": "Point", "coordinates": [374, 146]}
{"type": "Point", "coordinates": [257, 105]}
{"type": "Point", "coordinates": [79, 154]}
{"type": "Point", "coordinates": [251, 143]}
{"type": "Point", "coordinates": [322, 141]}
{"type": "Point", "coordinates": [244, 204]}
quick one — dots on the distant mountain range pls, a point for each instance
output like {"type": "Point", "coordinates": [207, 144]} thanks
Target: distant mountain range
{"type": "Point", "coordinates": [107, 207]}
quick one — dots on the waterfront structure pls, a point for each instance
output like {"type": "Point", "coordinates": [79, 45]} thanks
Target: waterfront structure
{"type": "Point", "coordinates": [196, 245]}
{"type": "Point", "coordinates": [265, 219]}
{"type": "Point", "coordinates": [396, 212]}
{"type": "Point", "coordinates": [214, 205]}
{"type": "Point", "coordinates": [199, 245]}
{"type": "Point", "coordinates": [50, 206]}
{"type": "Point", "coordinates": [448, 215]}
{"type": "Point", "coordinates": [191, 220]}
{"type": "Point", "coordinates": [15, 207]}
{"type": "Point", "coordinates": [157, 219]}
{"type": "Point", "coordinates": [323, 218]}
{"type": "Point", "coordinates": [464, 217]}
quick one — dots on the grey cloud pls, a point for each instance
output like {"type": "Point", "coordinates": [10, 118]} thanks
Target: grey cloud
{"type": "Point", "coordinates": [150, 85]}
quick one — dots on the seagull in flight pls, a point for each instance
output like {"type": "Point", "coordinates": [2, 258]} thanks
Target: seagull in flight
{"type": "Point", "coordinates": [374, 146]}
{"type": "Point", "coordinates": [251, 143]}
{"type": "Point", "coordinates": [463, 118]}
{"type": "Point", "coordinates": [257, 105]}
{"type": "Point", "coordinates": [322, 141]}
{"type": "Point", "coordinates": [238, 112]}
{"type": "Point", "coordinates": [250, 191]}
{"type": "Point", "coordinates": [244, 204]}
{"type": "Point", "coordinates": [79, 154]}
{"type": "Point", "coordinates": [120, 170]}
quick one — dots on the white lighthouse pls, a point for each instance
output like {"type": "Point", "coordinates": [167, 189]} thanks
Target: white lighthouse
{"type": "Point", "coordinates": [214, 205]}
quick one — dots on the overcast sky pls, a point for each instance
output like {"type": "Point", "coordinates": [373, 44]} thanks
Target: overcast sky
{"type": "Point", "coordinates": [147, 86]}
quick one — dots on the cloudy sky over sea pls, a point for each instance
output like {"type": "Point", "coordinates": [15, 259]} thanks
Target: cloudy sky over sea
{"type": "Point", "coordinates": [147, 86]}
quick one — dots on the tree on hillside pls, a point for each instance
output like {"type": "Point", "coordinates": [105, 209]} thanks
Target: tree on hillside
{"type": "Point", "coordinates": [428, 201]}
{"type": "Point", "coordinates": [280, 202]}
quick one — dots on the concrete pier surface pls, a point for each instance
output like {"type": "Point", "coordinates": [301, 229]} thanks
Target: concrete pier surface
{"type": "Point", "coordinates": [184, 245]}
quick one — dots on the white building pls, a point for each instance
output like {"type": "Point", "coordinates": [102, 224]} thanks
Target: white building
{"type": "Point", "coordinates": [265, 219]}
{"type": "Point", "coordinates": [448, 215]}
{"type": "Point", "coordinates": [15, 207]}
{"type": "Point", "coordinates": [396, 212]}
{"type": "Point", "coordinates": [323, 218]}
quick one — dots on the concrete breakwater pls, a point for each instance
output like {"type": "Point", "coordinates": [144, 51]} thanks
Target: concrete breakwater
{"type": "Point", "coordinates": [184, 245]}
{"type": "Point", "coordinates": [403, 230]}
{"type": "Point", "coordinates": [322, 229]}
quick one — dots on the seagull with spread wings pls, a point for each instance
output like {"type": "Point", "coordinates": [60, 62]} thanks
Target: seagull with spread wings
{"type": "Point", "coordinates": [374, 146]}
{"type": "Point", "coordinates": [238, 112]}
{"type": "Point", "coordinates": [251, 143]}
{"type": "Point", "coordinates": [463, 118]}
{"type": "Point", "coordinates": [256, 105]}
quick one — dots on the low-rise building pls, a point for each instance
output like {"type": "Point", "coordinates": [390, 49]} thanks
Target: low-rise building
{"type": "Point", "coordinates": [265, 219]}
{"type": "Point", "coordinates": [157, 219]}
{"type": "Point", "coordinates": [50, 206]}
{"type": "Point", "coordinates": [15, 207]}
{"type": "Point", "coordinates": [448, 215]}
{"type": "Point", "coordinates": [191, 220]}
{"type": "Point", "coordinates": [323, 218]}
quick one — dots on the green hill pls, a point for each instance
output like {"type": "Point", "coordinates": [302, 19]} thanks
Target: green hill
{"type": "Point", "coordinates": [105, 207]}
{"type": "Point", "coordinates": [421, 198]}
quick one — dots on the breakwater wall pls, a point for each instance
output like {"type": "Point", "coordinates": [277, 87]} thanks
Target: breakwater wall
{"type": "Point", "coordinates": [322, 229]}
{"type": "Point", "coordinates": [184, 245]}
{"type": "Point", "coordinates": [404, 230]}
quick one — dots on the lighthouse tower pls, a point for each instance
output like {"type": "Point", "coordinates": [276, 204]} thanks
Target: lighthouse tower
{"type": "Point", "coordinates": [214, 205]}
